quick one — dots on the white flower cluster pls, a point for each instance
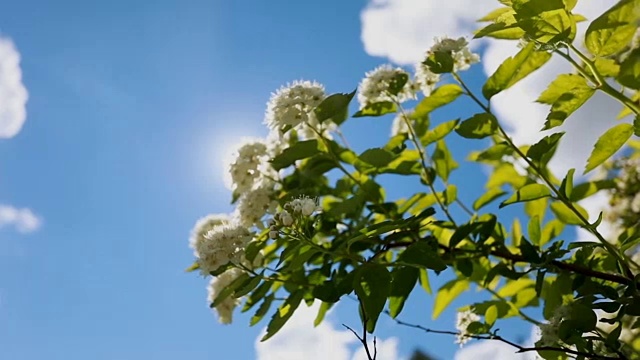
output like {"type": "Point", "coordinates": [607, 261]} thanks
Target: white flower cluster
{"type": "Point", "coordinates": [216, 285]}
{"type": "Point", "coordinates": [246, 169]}
{"type": "Point", "coordinates": [459, 49]}
{"type": "Point", "coordinates": [375, 86]}
{"type": "Point", "coordinates": [203, 226]}
{"type": "Point", "coordinates": [298, 209]}
{"type": "Point", "coordinates": [292, 106]}
{"type": "Point", "coordinates": [549, 331]}
{"type": "Point", "coordinates": [254, 204]}
{"type": "Point", "coordinates": [223, 244]}
{"type": "Point", "coordinates": [463, 320]}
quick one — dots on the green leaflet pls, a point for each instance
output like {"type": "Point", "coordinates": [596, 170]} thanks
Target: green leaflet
{"type": "Point", "coordinates": [614, 29]}
{"type": "Point", "coordinates": [527, 193]}
{"type": "Point", "coordinates": [372, 284]}
{"type": "Point", "coordinates": [566, 94]}
{"type": "Point", "coordinates": [441, 96]}
{"type": "Point", "coordinates": [514, 69]}
{"type": "Point", "coordinates": [608, 144]}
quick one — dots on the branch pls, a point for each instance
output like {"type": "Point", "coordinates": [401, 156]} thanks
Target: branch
{"type": "Point", "coordinates": [521, 349]}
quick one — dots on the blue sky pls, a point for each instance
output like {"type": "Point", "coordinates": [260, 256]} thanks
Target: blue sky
{"type": "Point", "coordinates": [131, 106]}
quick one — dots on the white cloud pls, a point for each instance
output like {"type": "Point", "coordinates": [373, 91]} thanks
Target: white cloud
{"type": "Point", "coordinates": [401, 30]}
{"type": "Point", "coordinates": [298, 339]}
{"type": "Point", "coordinates": [24, 220]}
{"type": "Point", "coordinates": [13, 94]}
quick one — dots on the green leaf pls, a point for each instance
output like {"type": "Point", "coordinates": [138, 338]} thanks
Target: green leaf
{"type": "Point", "coordinates": [421, 254]}
{"type": "Point", "coordinates": [545, 21]}
{"type": "Point", "coordinates": [440, 62]}
{"type": "Point", "coordinates": [584, 318]}
{"type": "Point", "coordinates": [607, 67]}
{"type": "Point", "coordinates": [527, 193]}
{"type": "Point", "coordinates": [565, 94]}
{"type": "Point", "coordinates": [479, 126]}
{"type": "Point", "coordinates": [514, 69]}
{"type": "Point", "coordinates": [441, 96]}
{"type": "Point", "coordinates": [542, 151]}
{"type": "Point", "coordinates": [566, 187]}
{"type": "Point", "coordinates": [487, 197]}
{"type": "Point", "coordinates": [324, 307]}
{"type": "Point", "coordinates": [298, 151]}
{"type": "Point", "coordinates": [284, 313]}
{"type": "Point", "coordinates": [495, 14]}
{"type": "Point", "coordinates": [335, 108]}
{"type": "Point", "coordinates": [195, 266]}
{"type": "Point", "coordinates": [424, 281]}
{"type": "Point", "coordinates": [240, 281]}
{"type": "Point", "coordinates": [614, 29]}
{"type": "Point", "coordinates": [636, 125]}
{"type": "Point", "coordinates": [439, 132]}
{"type": "Point", "coordinates": [504, 27]}
{"type": "Point", "coordinates": [247, 287]}
{"type": "Point", "coordinates": [377, 157]}
{"type": "Point", "coordinates": [397, 83]}
{"type": "Point", "coordinates": [491, 315]}
{"type": "Point", "coordinates": [587, 189]}
{"type": "Point", "coordinates": [372, 284]}
{"type": "Point", "coordinates": [534, 230]}
{"type": "Point", "coordinates": [629, 75]}
{"type": "Point", "coordinates": [551, 230]}
{"type": "Point", "coordinates": [447, 293]}
{"type": "Point", "coordinates": [608, 144]}
{"type": "Point", "coordinates": [404, 280]}
{"type": "Point", "coordinates": [377, 109]}
{"type": "Point", "coordinates": [443, 161]}
{"type": "Point", "coordinates": [327, 292]}
{"type": "Point", "coordinates": [566, 215]}
{"type": "Point", "coordinates": [262, 310]}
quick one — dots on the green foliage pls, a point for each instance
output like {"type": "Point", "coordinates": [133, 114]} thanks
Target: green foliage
{"type": "Point", "coordinates": [366, 243]}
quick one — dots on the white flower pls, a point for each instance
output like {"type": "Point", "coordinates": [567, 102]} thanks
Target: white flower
{"type": "Point", "coordinates": [445, 44]}
{"type": "Point", "coordinates": [285, 218]}
{"type": "Point", "coordinates": [251, 162]}
{"type": "Point", "coordinates": [217, 284]}
{"type": "Point", "coordinates": [375, 86]}
{"type": "Point", "coordinates": [463, 59]}
{"type": "Point", "coordinates": [464, 319]}
{"type": "Point", "coordinates": [458, 48]}
{"type": "Point", "coordinates": [223, 244]}
{"type": "Point", "coordinates": [255, 203]}
{"type": "Point", "coordinates": [425, 80]}
{"type": "Point", "coordinates": [203, 226]}
{"type": "Point", "coordinates": [304, 205]}
{"type": "Point", "coordinates": [292, 104]}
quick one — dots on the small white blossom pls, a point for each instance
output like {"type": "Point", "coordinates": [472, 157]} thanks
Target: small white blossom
{"type": "Point", "coordinates": [203, 226]}
{"type": "Point", "coordinates": [217, 284]}
{"type": "Point", "coordinates": [223, 244]}
{"type": "Point", "coordinates": [285, 218]}
{"type": "Point", "coordinates": [464, 58]}
{"type": "Point", "coordinates": [256, 203]}
{"type": "Point", "coordinates": [548, 335]}
{"type": "Point", "coordinates": [375, 86]}
{"type": "Point", "coordinates": [273, 234]}
{"type": "Point", "coordinates": [293, 104]}
{"type": "Point", "coordinates": [458, 48]}
{"type": "Point", "coordinates": [425, 79]}
{"type": "Point", "coordinates": [464, 319]}
{"type": "Point", "coordinates": [445, 44]}
{"type": "Point", "coordinates": [305, 206]}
